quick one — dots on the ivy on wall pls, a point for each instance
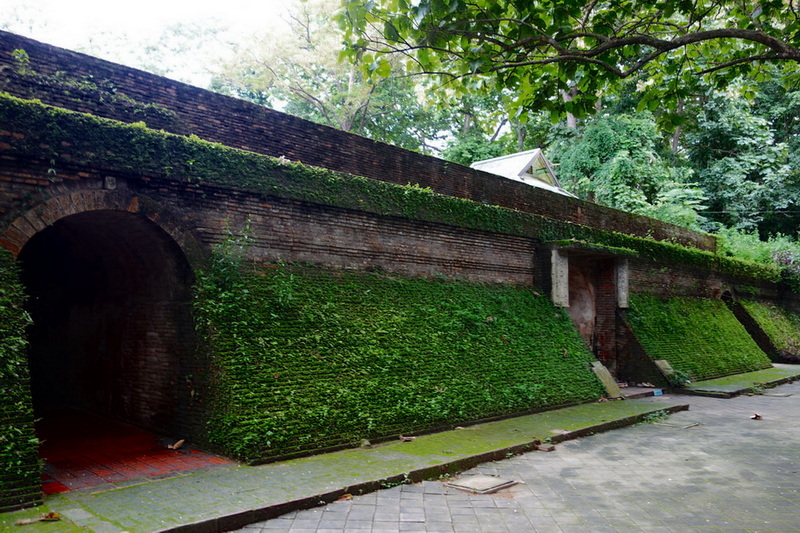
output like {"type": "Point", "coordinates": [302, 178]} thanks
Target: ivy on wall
{"type": "Point", "coordinates": [699, 337]}
{"type": "Point", "coordinates": [62, 137]}
{"type": "Point", "coordinates": [20, 484]}
{"type": "Point", "coordinates": [85, 92]}
{"type": "Point", "coordinates": [781, 326]}
{"type": "Point", "coordinates": [307, 358]}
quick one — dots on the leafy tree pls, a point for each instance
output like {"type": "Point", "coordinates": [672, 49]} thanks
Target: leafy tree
{"type": "Point", "coordinates": [300, 72]}
{"type": "Point", "coordinates": [563, 56]}
{"type": "Point", "coordinates": [476, 124]}
{"type": "Point", "coordinates": [481, 128]}
{"type": "Point", "coordinates": [616, 161]}
{"type": "Point", "coordinates": [742, 168]}
{"type": "Point", "coordinates": [470, 147]}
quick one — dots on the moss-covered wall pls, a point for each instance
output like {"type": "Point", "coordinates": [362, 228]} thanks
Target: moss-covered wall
{"type": "Point", "coordinates": [307, 358]}
{"type": "Point", "coordinates": [71, 80]}
{"type": "Point", "coordinates": [699, 337]}
{"type": "Point", "coordinates": [20, 484]}
{"type": "Point", "coordinates": [781, 327]}
{"type": "Point", "coordinates": [66, 142]}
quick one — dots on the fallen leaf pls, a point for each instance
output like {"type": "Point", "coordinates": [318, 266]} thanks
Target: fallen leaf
{"type": "Point", "coordinates": [46, 517]}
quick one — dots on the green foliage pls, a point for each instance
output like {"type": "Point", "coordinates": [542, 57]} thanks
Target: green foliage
{"type": "Point", "coordinates": [22, 62]}
{"type": "Point", "coordinates": [748, 246]}
{"type": "Point", "coordinates": [700, 338]}
{"type": "Point", "coordinates": [19, 465]}
{"type": "Point", "coordinates": [777, 250]}
{"type": "Point", "coordinates": [655, 417]}
{"type": "Point", "coordinates": [616, 161]}
{"type": "Point", "coordinates": [299, 72]}
{"type": "Point", "coordinates": [743, 170]}
{"type": "Point", "coordinates": [539, 51]}
{"type": "Point", "coordinates": [306, 357]}
{"type": "Point", "coordinates": [693, 65]}
{"type": "Point", "coordinates": [781, 326]}
{"type": "Point", "coordinates": [470, 148]}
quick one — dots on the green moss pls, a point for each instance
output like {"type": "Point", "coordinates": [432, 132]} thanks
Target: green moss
{"type": "Point", "coordinates": [59, 136]}
{"type": "Point", "coordinates": [307, 358]}
{"type": "Point", "coordinates": [698, 337]}
{"type": "Point", "coordinates": [86, 92]}
{"type": "Point", "coordinates": [589, 246]}
{"type": "Point", "coordinates": [781, 326]}
{"type": "Point", "coordinates": [19, 465]}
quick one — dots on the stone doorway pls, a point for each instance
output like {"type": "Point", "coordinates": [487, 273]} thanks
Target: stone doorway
{"type": "Point", "coordinates": [592, 305]}
{"type": "Point", "coordinates": [592, 285]}
{"type": "Point", "coordinates": [112, 335]}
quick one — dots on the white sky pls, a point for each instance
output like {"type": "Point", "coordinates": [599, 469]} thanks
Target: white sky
{"type": "Point", "coordinates": [69, 21]}
{"type": "Point", "coordinates": [72, 23]}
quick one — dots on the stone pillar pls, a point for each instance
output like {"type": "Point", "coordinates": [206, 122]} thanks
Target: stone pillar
{"type": "Point", "coordinates": [559, 278]}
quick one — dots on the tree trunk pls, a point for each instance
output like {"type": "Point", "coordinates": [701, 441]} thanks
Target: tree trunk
{"type": "Point", "coordinates": [572, 121]}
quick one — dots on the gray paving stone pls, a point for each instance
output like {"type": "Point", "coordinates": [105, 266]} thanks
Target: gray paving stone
{"type": "Point", "coordinates": [727, 474]}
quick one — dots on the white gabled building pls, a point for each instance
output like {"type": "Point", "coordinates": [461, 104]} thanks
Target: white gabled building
{"type": "Point", "coordinates": [529, 167]}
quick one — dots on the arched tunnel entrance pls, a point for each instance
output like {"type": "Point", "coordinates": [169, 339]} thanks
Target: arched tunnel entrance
{"type": "Point", "coordinates": [109, 294]}
{"type": "Point", "coordinates": [112, 335]}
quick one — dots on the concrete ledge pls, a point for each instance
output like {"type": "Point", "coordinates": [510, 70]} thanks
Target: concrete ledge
{"type": "Point", "coordinates": [747, 382]}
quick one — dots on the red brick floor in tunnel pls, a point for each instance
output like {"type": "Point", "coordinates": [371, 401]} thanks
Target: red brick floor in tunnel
{"type": "Point", "coordinates": [82, 450]}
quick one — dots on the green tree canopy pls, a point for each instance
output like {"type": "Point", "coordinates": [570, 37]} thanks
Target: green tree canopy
{"type": "Point", "coordinates": [616, 160]}
{"type": "Point", "coordinates": [743, 169]}
{"type": "Point", "coordinates": [300, 72]}
{"type": "Point", "coordinates": [563, 56]}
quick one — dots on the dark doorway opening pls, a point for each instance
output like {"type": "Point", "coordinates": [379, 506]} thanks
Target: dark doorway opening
{"type": "Point", "coordinates": [112, 335]}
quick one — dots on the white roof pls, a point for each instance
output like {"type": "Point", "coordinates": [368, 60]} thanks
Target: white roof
{"type": "Point", "coordinates": [529, 167]}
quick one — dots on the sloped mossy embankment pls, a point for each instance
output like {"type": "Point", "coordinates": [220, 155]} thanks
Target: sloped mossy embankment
{"type": "Point", "coordinates": [700, 338]}
{"type": "Point", "coordinates": [779, 325]}
{"type": "Point", "coordinates": [307, 358]}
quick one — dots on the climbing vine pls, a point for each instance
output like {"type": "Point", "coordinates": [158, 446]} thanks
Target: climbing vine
{"type": "Point", "coordinates": [19, 466]}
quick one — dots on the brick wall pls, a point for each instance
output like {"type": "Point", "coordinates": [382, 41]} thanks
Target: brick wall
{"type": "Point", "coordinates": [243, 125]}
{"type": "Point", "coordinates": [661, 279]}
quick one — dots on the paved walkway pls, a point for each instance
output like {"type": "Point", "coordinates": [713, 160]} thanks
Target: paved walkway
{"type": "Point", "coordinates": [712, 468]}
{"type": "Point", "coordinates": [230, 496]}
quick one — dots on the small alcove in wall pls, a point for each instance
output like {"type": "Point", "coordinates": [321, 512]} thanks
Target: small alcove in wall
{"type": "Point", "coordinates": [591, 283]}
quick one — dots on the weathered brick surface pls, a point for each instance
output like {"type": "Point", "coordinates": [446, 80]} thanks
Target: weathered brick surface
{"type": "Point", "coordinates": [284, 229]}
{"type": "Point", "coordinates": [243, 125]}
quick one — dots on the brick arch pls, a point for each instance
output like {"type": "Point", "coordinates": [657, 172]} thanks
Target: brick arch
{"type": "Point", "coordinates": [109, 276]}
{"type": "Point", "coordinates": [67, 202]}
